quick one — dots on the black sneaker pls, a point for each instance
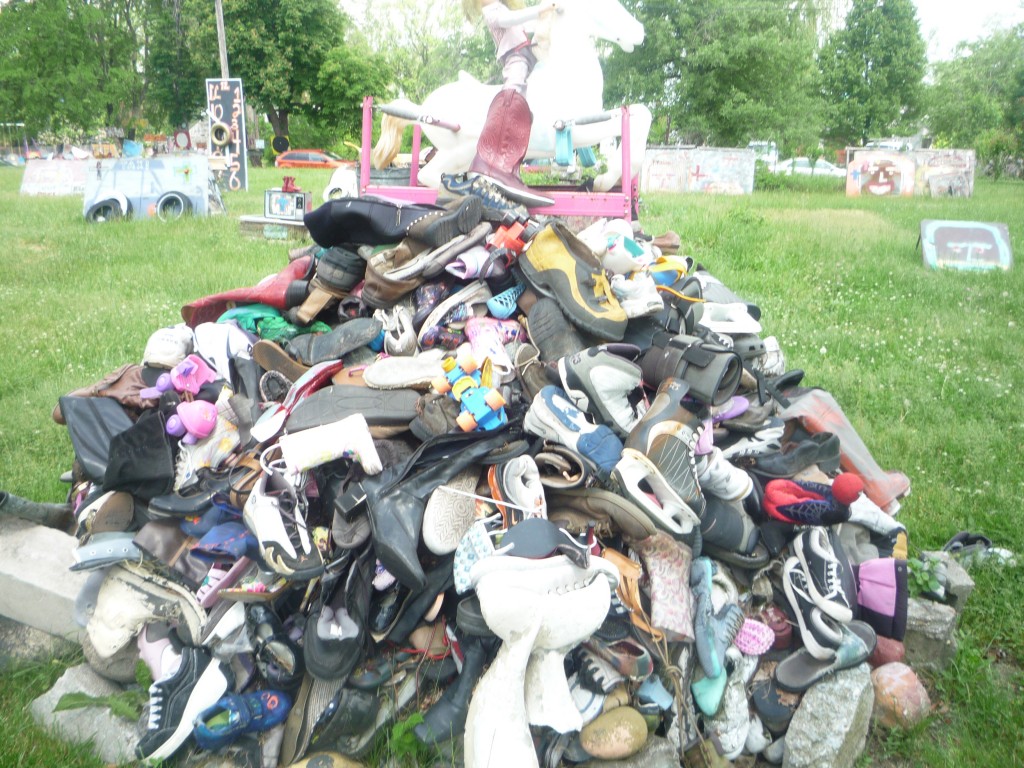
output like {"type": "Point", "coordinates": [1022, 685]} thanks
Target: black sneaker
{"type": "Point", "coordinates": [175, 701]}
{"type": "Point", "coordinates": [495, 204]}
{"type": "Point", "coordinates": [821, 635]}
{"type": "Point", "coordinates": [824, 573]}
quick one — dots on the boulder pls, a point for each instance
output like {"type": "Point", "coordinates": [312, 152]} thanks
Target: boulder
{"type": "Point", "coordinates": [931, 634]}
{"type": "Point", "coordinates": [657, 752]}
{"type": "Point", "coordinates": [615, 735]}
{"type": "Point", "coordinates": [830, 727]}
{"type": "Point", "coordinates": [900, 698]}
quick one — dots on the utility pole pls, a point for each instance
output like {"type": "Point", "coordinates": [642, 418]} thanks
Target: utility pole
{"type": "Point", "coordinates": [222, 43]}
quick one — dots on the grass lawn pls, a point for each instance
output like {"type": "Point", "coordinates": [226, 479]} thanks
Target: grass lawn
{"type": "Point", "coordinates": [925, 364]}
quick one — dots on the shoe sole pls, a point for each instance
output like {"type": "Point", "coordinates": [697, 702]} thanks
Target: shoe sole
{"type": "Point", "coordinates": [454, 223]}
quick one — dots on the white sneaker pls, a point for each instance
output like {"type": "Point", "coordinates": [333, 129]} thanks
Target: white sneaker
{"type": "Point", "coordinates": [718, 477]}
{"type": "Point", "coordinates": [276, 514]}
{"type": "Point", "coordinates": [638, 295]}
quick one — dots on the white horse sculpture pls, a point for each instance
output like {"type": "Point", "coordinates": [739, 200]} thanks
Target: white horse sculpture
{"type": "Point", "coordinates": [565, 87]}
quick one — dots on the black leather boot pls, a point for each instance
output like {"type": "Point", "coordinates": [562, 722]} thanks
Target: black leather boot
{"type": "Point", "coordinates": [358, 221]}
{"type": "Point", "coordinates": [50, 515]}
{"type": "Point", "coordinates": [447, 718]}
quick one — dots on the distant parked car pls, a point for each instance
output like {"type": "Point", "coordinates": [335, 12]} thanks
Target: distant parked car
{"type": "Point", "coordinates": [801, 166]}
{"type": "Point", "coordinates": [309, 158]}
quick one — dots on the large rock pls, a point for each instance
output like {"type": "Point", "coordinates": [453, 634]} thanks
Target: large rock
{"type": "Point", "coordinates": [657, 752]}
{"type": "Point", "coordinates": [900, 699]}
{"type": "Point", "coordinates": [931, 634]}
{"type": "Point", "coordinates": [830, 727]}
{"type": "Point", "coordinates": [113, 737]}
{"type": "Point", "coordinates": [886, 651]}
{"type": "Point", "coordinates": [959, 584]}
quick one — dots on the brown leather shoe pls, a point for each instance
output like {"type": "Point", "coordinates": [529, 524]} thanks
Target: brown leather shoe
{"type": "Point", "coordinates": [381, 291]}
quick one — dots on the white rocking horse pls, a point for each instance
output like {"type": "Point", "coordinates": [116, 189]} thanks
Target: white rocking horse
{"type": "Point", "coordinates": [565, 88]}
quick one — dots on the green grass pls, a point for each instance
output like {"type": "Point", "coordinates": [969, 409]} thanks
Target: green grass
{"type": "Point", "coordinates": [925, 365]}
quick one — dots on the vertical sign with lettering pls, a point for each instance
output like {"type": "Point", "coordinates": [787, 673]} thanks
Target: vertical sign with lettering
{"type": "Point", "coordinates": [227, 108]}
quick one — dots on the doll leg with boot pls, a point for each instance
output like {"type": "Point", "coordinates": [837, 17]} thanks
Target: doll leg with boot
{"type": "Point", "coordinates": [818, 411]}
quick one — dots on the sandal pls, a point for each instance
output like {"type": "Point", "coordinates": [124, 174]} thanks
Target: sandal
{"type": "Point", "coordinates": [799, 671]}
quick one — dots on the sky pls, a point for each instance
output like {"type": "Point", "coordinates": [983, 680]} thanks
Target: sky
{"type": "Point", "coordinates": [944, 23]}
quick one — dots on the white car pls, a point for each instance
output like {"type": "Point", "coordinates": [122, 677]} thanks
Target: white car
{"type": "Point", "coordinates": [801, 166]}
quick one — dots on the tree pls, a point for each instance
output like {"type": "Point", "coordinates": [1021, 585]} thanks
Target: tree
{"type": "Point", "coordinates": [178, 59]}
{"type": "Point", "coordinates": [277, 49]}
{"type": "Point", "coordinates": [719, 72]}
{"type": "Point", "coordinates": [977, 91]}
{"type": "Point", "coordinates": [69, 65]}
{"type": "Point", "coordinates": [873, 71]}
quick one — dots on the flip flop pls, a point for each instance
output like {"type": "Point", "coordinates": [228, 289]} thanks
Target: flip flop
{"type": "Point", "coordinates": [799, 671]}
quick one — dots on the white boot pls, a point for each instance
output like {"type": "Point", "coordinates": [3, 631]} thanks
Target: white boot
{"type": "Point", "coordinates": [346, 439]}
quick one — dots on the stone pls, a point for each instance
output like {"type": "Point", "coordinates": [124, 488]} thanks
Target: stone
{"type": "Point", "coordinates": [657, 752]}
{"type": "Point", "coordinates": [113, 738]}
{"type": "Point", "coordinates": [615, 735]}
{"type": "Point", "coordinates": [886, 650]}
{"type": "Point", "coordinates": [900, 698]}
{"type": "Point", "coordinates": [830, 727]}
{"type": "Point", "coordinates": [931, 634]}
{"type": "Point", "coordinates": [959, 584]}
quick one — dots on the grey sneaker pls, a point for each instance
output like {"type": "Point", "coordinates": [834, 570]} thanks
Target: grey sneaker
{"type": "Point", "coordinates": [605, 385]}
{"type": "Point", "coordinates": [495, 204]}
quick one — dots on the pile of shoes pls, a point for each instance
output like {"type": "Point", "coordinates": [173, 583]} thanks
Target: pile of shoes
{"type": "Point", "coordinates": [535, 484]}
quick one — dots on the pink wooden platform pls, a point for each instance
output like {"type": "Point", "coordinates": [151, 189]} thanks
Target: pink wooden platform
{"type": "Point", "coordinates": [614, 205]}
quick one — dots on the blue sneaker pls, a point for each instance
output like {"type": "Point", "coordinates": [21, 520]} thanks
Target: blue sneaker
{"type": "Point", "coordinates": [495, 204]}
{"type": "Point", "coordinates": [553, 416]}
{"type": "Point", "coordinates": [237, 714]}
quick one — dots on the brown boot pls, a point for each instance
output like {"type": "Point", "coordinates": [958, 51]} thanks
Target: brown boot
{"type": "Point", "coordinates": [502, 146]}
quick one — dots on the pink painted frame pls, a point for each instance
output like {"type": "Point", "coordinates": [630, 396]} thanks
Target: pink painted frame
{"type": "Point", "coordinates": [615, 205]}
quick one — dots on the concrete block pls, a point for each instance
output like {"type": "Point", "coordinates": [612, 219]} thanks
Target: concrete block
{"type": "Point", "coordinates": [830, 727]}
{"type": "Point", "coordinates": [36, 587]}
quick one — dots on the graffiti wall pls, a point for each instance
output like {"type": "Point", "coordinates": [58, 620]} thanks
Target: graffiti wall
{"type": "Point", "coordinates": [55, 177]}
{"type": "Point", "coordinates": [923, 172]}
{"type": "Point", "coordinates": [879, 173]}
{"type": "Point", "coordinates": [944, 172]}
{"type": "Point", "coordinates": [698, 169]}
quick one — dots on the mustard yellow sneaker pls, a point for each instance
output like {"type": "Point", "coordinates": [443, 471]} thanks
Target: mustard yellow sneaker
{"type": "Point", "coordinates": [558, 264]}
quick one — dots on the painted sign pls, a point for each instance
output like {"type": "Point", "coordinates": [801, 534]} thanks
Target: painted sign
{"type": "Point", "coordinates": [698, 169]}
{"type": "Point", "coordinates": [226, 110]}
{"type": "Point", "coordinates": [966, 245]}
{"type": "Point", "coordinates": [55, 177]}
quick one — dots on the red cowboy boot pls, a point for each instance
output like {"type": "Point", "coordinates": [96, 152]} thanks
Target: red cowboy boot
{"type": "Point", "coordinates": [502, 146]}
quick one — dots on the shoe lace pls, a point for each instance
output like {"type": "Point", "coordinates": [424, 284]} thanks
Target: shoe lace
{"type": "Point", "coordinates": [156, 705]}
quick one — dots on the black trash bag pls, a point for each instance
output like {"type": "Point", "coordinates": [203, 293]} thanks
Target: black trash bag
{"type": "Point", "coordinates": [92, 424]}
{"type": "Point", "coordinates": [141, 459]}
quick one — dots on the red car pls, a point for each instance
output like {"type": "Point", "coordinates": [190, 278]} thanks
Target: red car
{"type": "Point", "coordinates": [309, 158]}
